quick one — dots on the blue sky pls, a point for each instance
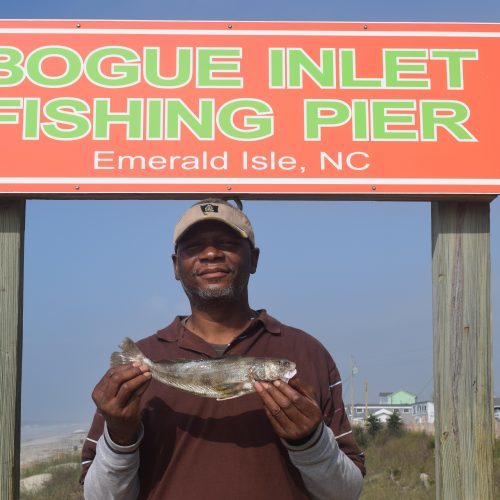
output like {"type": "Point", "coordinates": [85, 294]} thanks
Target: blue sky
{"type": "Point", "coordinates": [328, 10]}
{"type": "Point", "coordinates": [357, 275]}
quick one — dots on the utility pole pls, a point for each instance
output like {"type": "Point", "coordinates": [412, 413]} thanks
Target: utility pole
{"type": "Point", "coordinates": [353, 371]}
{"type": "Point", "coordinates": [366, 399]}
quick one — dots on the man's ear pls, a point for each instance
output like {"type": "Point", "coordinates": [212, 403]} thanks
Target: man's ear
{"type": "Point", "coordinates": [176, 268]}
{"type": "Point", "coordinates": [254, 259]}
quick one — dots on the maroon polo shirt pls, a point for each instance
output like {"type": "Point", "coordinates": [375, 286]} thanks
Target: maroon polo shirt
{"type": "Point", "coordinates": [195, 447]}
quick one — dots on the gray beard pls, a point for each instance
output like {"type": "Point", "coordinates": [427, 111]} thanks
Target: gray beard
{"type": "Point", "coordinates": [230, 293]}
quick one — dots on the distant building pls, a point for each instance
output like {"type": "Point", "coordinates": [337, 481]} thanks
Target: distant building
{"type": "Point", "coordinates": [402, 402]}
{"type": "Point", "coordinates": [397, 398]}
{"type": "Point", "coordinates": [383, 415]}
{"type": "Point", "coordinates": [382, 411]}
{"type": "Point", "coordinates": [496, 408]}
{"type": "Point", "coordinates": [384, 398]}
{"type": "Point", "coordinates": [423, 412]}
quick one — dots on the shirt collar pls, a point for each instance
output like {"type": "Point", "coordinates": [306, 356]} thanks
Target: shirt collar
{"type": "Point", "coordinates": [176, 330]}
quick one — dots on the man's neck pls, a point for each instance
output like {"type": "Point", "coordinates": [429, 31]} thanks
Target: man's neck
{"type": "Point", "coordinates": [219, 323]}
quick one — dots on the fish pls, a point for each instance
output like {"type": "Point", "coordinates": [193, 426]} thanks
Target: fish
{"type": "Point", "coordinates": [221, 378]}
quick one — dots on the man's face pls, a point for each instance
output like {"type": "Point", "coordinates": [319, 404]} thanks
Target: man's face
{"type": "Point", "coordinates": [213, 261]}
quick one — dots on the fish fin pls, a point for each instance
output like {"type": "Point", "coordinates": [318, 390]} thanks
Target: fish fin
{"type": "Point", "coordinates": [225, 398]}
{"type": "Point", "coordinates": [235, 390]}
{"type": "Point", "coordinates": [130, 353]}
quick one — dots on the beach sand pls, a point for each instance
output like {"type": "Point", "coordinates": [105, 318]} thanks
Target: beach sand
{"type": "Point", "coordinates": [44, 442]}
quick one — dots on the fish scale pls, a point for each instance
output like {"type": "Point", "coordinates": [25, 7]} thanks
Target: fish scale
{"type": "Point", "coordinates": [221, 378]}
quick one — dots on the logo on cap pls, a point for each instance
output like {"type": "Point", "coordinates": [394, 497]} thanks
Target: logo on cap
{"type": "Point", "coordinates": [209, 209]}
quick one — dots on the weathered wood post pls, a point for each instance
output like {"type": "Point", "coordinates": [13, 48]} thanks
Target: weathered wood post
{"type": "Point", "coordinates": [462, 350]}
{"type": "Point", "coordinates": [11, 286]}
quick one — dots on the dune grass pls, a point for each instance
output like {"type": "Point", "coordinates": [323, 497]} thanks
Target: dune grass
{"type": "Point", "coordinates": [64, 485]}
{"type": "Point", "coordinates": [394, 464]}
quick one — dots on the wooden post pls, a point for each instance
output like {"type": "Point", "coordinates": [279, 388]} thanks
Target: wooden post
{"type": "Point", "coordinates": [462, 350]}
{"type": "Point", "coordinates": [11, 280]}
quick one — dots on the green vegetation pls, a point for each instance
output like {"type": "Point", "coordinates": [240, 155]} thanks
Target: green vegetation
{"type": "Point", "coordinates": [373, 425]}
{"type": "Point", "coordinates": [64, 485]}
{"type": "Point", "coordinates": [394, 463]}
{"type": "Point", "coordinates": [395, 424]}
{"type": "Point", "coordinates": [496, 468]}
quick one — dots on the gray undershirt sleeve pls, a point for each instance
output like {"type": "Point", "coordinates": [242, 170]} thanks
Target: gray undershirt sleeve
{"type": "Point", "coordinates": [113, 473]}
{"type": "Point", "coordinates": [328, 473]}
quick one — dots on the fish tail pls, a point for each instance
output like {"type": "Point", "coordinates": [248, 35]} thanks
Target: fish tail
{"type": "Point", "coordinates": [129, 353]}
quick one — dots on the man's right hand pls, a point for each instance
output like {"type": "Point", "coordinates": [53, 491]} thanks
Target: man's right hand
{"type": "Point", "coordinates": [118, 396]}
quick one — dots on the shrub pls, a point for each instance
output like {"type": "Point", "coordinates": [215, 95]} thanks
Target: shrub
{"type": "Point", "coordinates": [373, 424]}
{"type": "Point", "coordinates": [395, 424]}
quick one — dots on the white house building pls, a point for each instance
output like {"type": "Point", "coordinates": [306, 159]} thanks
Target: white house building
{"type": "Point", "coordinates": [401, 402]}
{"type": "Point", "coordinates": [423, 412]}
{"type": "Point", "coordinates": [359, 411]}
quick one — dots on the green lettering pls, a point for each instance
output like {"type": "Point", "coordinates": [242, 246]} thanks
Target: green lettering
{"type": "Point", "coordinates": [154, 129]}
{"type": "Point", "coordinates": [104, 118]}
{"type": "Point", "coordinates": [449, 115]}
{"type": "Point", "coordinates": [276, 68]}
{"type": "Point", "coordinates": [10, 103]}
{"type": "Point", "coordinates": [454, 65]}
{"type": "Point", "coordinates": [360, 120]}
{"type": "Point", "coordinates": [382, 117]}
{"type": "Point", "coordinates": [31, 119]}
{"type": "Point", "coordinates": [255, 127]}
{"type": "Point", "coordinates": [36, 59]}
{"type": "Point", "coordinates": [152, 68]}
{"type": "Point", "coordinates": [299, 63]}
{"type": "Point", "coordinates": [69, 113]}
{"type": "Point", "coordinates": [324, 113]}
{"type": "Point", "coordinates": [348, 78]}
{"type": "Point", "coordinates": [209, 62]}
{"type": "Point", "coordinates": [11, 71]}
{"type": "Point", "coordinates": [394, 67]}
{"type": "Point", "coordinates": [124, 74]}
{"type": "Point", "coordinates": [202, 126]}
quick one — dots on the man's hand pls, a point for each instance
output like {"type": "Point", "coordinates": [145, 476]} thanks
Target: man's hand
{"type": "Point", "coordinates": [291, 408]}
{"type": "Point", "coordinates": [117, 396]}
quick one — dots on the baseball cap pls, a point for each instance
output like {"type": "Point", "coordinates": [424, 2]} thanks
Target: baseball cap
{"type": "Point", "coordinates": [215, 209]}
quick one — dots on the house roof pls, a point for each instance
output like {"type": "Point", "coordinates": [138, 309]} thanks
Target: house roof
{"type": "Point", "coordinates": [406, 392]}
{"type": "Point", "coordinates": [385, 394]}
{"type": "Point", "coordinates": [383, 411]}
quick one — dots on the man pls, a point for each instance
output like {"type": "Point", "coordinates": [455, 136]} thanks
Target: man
{"type": "Point", "coordinates": [286, 441]}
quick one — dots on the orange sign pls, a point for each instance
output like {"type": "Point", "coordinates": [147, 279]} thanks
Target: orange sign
{"type": "Point", "coordinates": [268, 108]}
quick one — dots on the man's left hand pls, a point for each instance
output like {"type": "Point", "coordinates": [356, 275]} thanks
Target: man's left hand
{"type": "Point", "coordinates": [291, 408]}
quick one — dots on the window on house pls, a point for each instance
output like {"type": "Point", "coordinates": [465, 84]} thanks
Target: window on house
{"type": "Point", "coordinates": [359, 410]}
{"type": "Point", "coordinates": [406, 410]}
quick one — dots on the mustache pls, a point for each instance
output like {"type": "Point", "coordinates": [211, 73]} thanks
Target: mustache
{"type": "Point", "coordinates": [226, 269]}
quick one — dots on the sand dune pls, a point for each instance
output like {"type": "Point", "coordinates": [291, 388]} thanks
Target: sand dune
{"type": "Point", "coordinates": [51, 441]}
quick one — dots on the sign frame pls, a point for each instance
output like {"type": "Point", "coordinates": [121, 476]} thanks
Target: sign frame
{"type": "Point", "coordinates": [341, 175]}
